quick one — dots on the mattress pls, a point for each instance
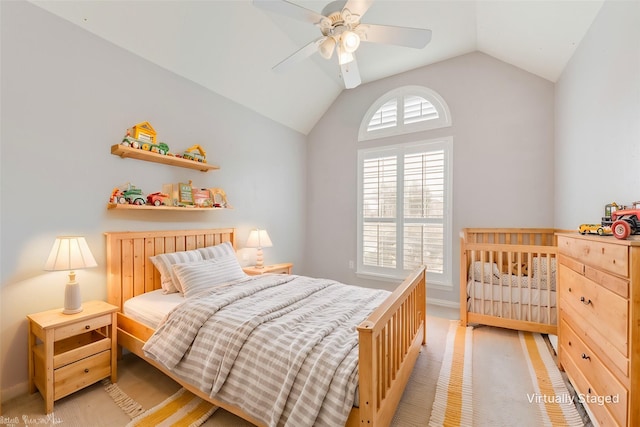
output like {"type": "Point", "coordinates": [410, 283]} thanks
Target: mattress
{"type": "Point", "coordinates": [496, 292]}
{"type": "Point", "coordinates": [152, 307]}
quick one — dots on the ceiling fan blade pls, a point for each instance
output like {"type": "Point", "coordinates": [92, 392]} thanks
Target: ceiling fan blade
{"type": "Point", "coordinates": [358, 7]}
{"type": "Point", "coordinates": [402, 36]}
{"type": "Point", "coordinates": [291, 10]}
{"type": "Point", "coordinates": [299, 55]}
{"type": "Point", "coordinates": [350, 74]}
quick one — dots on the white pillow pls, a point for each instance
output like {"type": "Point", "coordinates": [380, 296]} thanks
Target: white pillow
{"type": "Point", "coordinates": [484, 270]}
{"type": "Point", "coordinates": [198, 276]}
{"type": "Point", "coordinates": [211, 252]}
{"type": "Point", "coordinates": [163, 263]}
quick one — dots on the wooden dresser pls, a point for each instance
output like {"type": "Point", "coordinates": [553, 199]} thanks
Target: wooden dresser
{"type": "Point", "coordinates": [599, 324]}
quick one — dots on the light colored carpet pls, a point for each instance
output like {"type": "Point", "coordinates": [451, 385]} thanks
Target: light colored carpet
{"type": "Point", "coordinates": [148, 387]}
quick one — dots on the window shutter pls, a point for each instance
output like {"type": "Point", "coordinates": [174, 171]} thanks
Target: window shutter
{"type": "Point", "coordinates": [385, 117]}
{"type": "Point", "coordinates": [417, 109]}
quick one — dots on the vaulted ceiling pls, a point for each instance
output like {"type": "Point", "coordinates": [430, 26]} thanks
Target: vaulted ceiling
{"type": "Point", "coordinates": [230, 46]}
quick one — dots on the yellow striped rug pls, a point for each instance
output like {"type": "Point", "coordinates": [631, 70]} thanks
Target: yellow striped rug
{"type": "Point", "coordinates": [180, 410]}
{"type": "Point", "coordinates": [452, 405]}
{"type": "Point", "coordinates": [557, 407]}
{"type": "Point", "coordinates": [545, 401]}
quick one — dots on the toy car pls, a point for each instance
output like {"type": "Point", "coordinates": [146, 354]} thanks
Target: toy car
{"type": "Point", "coordinates": [158, 199]}
{"type": "Point", "coordinates": [134, 196]}
{"type": "Point", "coordinates": [625, 223]}
{"type": "Point", "coordinates": [594, 228]}
{"type": "Point", "coordinates": [160, 148]}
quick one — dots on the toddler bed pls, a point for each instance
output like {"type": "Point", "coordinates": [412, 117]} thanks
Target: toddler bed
{"type": "Point", "coordinates": [388, 339]}
{"type": "Point", "coordinates": [508, 278]}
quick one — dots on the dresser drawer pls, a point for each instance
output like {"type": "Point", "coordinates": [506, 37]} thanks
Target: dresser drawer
{"type": "Point", "coordinates": [604, 310]}
{"type": "Point", "coordinates": [81, 327]}
{"type": "Point", "coordinates": [599, 414]}
{"type": "Point", "coordinates": [599, 254]}
{"type": "Point", "coordinates": [80, 374]}
{"type": "Point", "coordinates": [602, 388]}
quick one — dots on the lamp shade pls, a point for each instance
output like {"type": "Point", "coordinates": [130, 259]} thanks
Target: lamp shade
{"type": "Point", "coordinates": [350, 41]}
{"type": "Point", "coordinates": [70, 253]}
{"type": "Point", "coordinates": [259, 239]}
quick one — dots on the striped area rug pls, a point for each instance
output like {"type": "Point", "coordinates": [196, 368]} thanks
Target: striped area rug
{"type": "Point", "coordinates": [550, 392]}
{"type": "Point", "coordinates": [182, 409]}
{"type": "Point", "coordinates": [544, 401]}
{"type": "Point", "coordinates": [453, 402]}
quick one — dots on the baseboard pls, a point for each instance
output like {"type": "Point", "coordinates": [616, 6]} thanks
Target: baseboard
{"type": "Point", "coordinates": [14, 391]}
{"type": "Point", "coordinates": [443, 303]}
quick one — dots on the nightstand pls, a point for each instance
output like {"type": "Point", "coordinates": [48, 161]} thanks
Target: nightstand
{"type": "Point", "coordinates": [284, 268]}
{"type": "Point", "coordinates": [68, 352]}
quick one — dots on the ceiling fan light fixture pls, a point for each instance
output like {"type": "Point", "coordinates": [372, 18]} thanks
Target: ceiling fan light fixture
{"type": "Point", "coordinates": [327, 47]}
{"type": "Point", "coordinates": [350, 41]}
{"type": "Point", "coordinates": [344, 57]}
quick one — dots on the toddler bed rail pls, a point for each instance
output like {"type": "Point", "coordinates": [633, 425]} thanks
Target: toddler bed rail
{"type": "Point", "coordinates": [508, 278]}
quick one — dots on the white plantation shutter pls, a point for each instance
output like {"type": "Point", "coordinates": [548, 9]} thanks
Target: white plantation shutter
{"type": "Point", "coordinates": [424, 209]}
{"type": "Point", "coordinates": [404, 205]}
{"type": "Point", "coordinates": [404, 110]}
{"type": "Point", "coordinates": [417, 109]}
{"type": "Point", "coordinates": [385, 117]}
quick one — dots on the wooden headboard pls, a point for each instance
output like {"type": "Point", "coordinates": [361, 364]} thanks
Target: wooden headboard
{"type": "Point", "coordinates": [129, 270]}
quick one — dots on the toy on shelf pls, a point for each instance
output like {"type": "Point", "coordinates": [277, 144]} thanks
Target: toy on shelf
{"type": "Point", "coordinates": [127, 194]}
{"type": "Point", "coordinates": [191, 154]}
{"type": "Point", "coordinates": [143, 136]}
{"type": "Point", "coordinates": [185, 195]}
{"type": "Point", "coordinates": [159, 199]}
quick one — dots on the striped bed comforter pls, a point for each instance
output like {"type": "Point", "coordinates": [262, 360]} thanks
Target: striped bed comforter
{"type": "Point", "coordinates": [281, 347]}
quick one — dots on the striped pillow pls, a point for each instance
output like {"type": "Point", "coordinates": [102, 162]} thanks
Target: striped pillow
{"type": "Point", "coordinates": [198, 276]}
{"type": "Point", "coordinates": [163, 263]}
{"type": "Point", "coordinates": [211, 252]}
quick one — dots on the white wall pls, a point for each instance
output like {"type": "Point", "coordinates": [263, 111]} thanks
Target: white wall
{"type": "Point", "coordinates": [502, 158]}
{"type": "Point", "coordinates": [67, 96]}
{"type": "Point", "coordinates": [598, 119]}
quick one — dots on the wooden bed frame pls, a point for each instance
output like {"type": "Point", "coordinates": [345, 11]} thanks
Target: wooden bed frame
{"type": "Point", "coordinates": [503, 246]}
{"type": "Point", "coordinates": [389, 339]}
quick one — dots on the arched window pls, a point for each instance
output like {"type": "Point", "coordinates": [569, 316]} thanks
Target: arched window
{"type": "Point", "coordinates": [404, 110]}
{"type": "Point", "coordinates": [404, 199]}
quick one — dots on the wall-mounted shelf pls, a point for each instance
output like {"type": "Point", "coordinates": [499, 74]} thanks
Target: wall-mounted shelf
{"type": "Point", "coordinates": [158, 208]}
{"type": "Point", "coordinates": [136, 153]}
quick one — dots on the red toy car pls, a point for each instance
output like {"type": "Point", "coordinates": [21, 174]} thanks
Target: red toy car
{"type": "Point", "coordinates": [158, 199]}
{"type": "Point", "coordinates": [625, 222]}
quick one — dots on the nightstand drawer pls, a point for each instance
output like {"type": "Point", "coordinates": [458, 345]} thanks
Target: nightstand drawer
{"type": "Point", "coordinates": [80, 374]}
{"type": "Point", "coordinates": [282, 270]}
{"type": "Point", "coordinates": [81, 327]}
{"type": "Point", "coordinates": [75, 348]}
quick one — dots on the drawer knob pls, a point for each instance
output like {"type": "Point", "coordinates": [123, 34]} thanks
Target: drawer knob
{"type": "Point", "coordinates": [86, 370]}
{"type": "Point", "coordinates": [585, 301]}
{"type": "Point", "coordinates": [585, 357]}
{"type": "Point", "coordinates": [87, 327]}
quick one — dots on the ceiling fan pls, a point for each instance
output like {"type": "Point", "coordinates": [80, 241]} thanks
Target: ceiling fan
{"type": "Point", "coordinates": [342, 33]}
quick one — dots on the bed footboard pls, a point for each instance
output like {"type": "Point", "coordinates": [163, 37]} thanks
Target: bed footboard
{"type": "Point", "coordinates": [390, 340]}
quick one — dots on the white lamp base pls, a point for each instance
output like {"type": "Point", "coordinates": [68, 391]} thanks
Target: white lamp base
{"type": "Point", "coordinates": [72, 299]}
{"type": "Point", "coordinates": [259, 258]}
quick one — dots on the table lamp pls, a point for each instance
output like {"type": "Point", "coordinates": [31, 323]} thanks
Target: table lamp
{"type": "Point", "coordinates": [70, 253]}
{"type": "Point", "coordinates": [259, 239]}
